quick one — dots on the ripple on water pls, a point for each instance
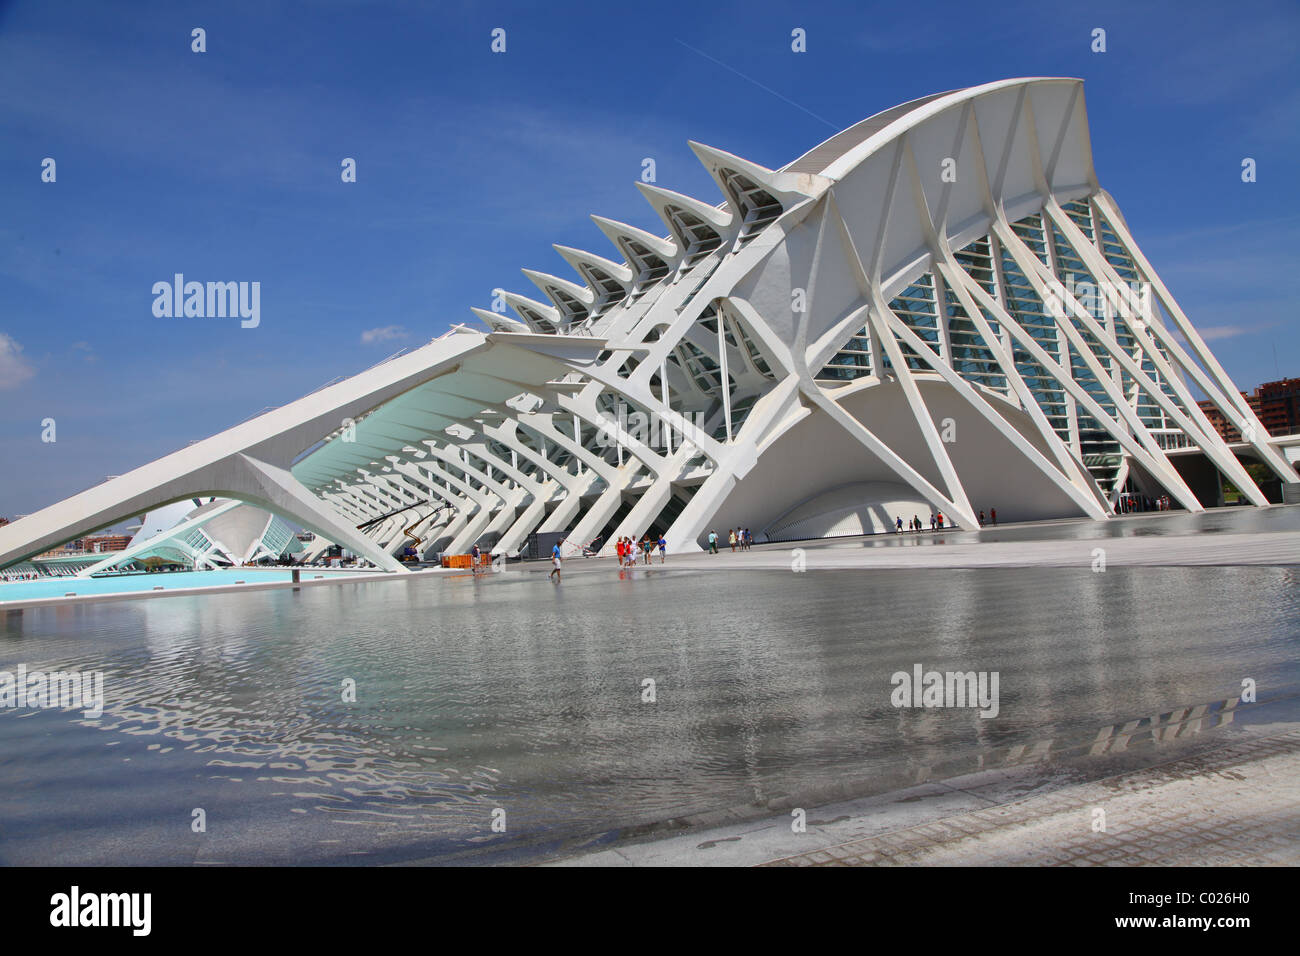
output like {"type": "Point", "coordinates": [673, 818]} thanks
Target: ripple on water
{"type": "Point", "coordinates": [770, 687]}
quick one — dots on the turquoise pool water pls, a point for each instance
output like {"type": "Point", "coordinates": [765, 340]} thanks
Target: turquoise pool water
{"type": "Point", "coordinates": [170, 581]}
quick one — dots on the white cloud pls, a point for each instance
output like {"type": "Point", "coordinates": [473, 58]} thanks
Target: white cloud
{"type": "Point", "coordinates": [1213, 332]}
{"type": "Point", "coordinates": [14, 369]}
{"type": "Point", "coordinates": [387, 333]}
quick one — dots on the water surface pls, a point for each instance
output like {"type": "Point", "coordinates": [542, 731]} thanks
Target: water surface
{"type": "Point", "coordinates": [508, 692]}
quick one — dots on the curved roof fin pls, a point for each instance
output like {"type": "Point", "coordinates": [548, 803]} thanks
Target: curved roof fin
{"type": "Point", "coordinates": [664, 200]}
{"type": "Point", "coordinates": [540, 317]}
{"type": "Point", "coordinates": [789, 188]}
{"type": "Point", "coordinates": [498, 322]}
{"type": "Point", "coordinates": [543, 280]}
{"type": "Point", "coordinates": [619, 232]}
{"type": "Point", "coordinates": [579, 258]}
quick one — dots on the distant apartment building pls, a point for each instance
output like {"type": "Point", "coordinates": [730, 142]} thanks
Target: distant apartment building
{"type": "Point", "coordinates": [1275, 404]}
{"type": "Point", "coordinates": [70, 547]}
{"type": "Point", "coordinates": [1279, 406]}
{"type": "Point", "coordinates": [106, 542]}
{"type": "Point", "coordinates": [93, 544]}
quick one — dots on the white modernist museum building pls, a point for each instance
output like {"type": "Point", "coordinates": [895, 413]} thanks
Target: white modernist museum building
{"type": "Point", "coordinates": [937, 310]}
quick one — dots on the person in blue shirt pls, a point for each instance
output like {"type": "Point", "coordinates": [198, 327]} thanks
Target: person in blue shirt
{"type": "Point", "coordinates": [555, 561]}
{"type": "Point", "coordinates": [663, 548]}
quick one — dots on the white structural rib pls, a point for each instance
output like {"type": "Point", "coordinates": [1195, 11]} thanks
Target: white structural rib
{"type": "Point", "coordinates": [643, 251]}
{"type": "Point", "coordinates": [498, 322]}
{"type": "Point", "coordinates": [597, 271]}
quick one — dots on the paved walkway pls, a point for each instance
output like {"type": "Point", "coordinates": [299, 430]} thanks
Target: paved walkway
{"type": "Point", "coordinates": [1221, 801]}
{"type": "Point", "coordinates": [1220, 550]}
{"type": "Point", "coordinates": [1238, 805]}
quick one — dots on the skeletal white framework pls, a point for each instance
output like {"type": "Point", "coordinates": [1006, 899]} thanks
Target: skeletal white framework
{"type": "Point", "coordinates": [212, 534]}
{"type": "Point", "coordinates": [938, 309]}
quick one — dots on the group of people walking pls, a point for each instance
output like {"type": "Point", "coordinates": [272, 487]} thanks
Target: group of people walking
{"type": "Point", "coordinates": [629, 550]}
{"type": "Point", "coordinates": [25, 576]}
{"type": "Point", "coordinates": [937, 521]}
{"type": "Point", "coordinates": [1130, 502]}
{"type": "Point", "coordinates": [736, 537]}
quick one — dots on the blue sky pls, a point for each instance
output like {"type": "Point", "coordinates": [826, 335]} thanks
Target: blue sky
{"type": "Point", "coordinates": [225, 166]}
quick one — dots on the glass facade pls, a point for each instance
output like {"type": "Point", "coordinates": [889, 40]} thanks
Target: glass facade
{"type": "Point", "coordinates": [996, 271]}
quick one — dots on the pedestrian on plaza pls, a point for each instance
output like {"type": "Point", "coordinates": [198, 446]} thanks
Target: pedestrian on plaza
{"type": "Point", "coordinates": [993, 515]}
{"type": "Point", "coordinates": [931, 520]}
{"type": "Point", "coordinates": [940, 520]}
{"type": "Point", "coordinates": [731, 535]}
{"type": "Point", "coordinates": [663, 548]}
{"type": "Point", "coordinates": [555, 561]}
{"type": "Point", "coordinates": [898, 524]}
{"type": "Point", "coordinates": [981, 517]}
{"type": "Point", "coordinates": [474, 558]}
{"type": "Point", "coordinates": [713, 542]}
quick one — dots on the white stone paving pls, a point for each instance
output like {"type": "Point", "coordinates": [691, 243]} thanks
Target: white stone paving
{"type": "Point", "coordinates": [1234, 803]}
